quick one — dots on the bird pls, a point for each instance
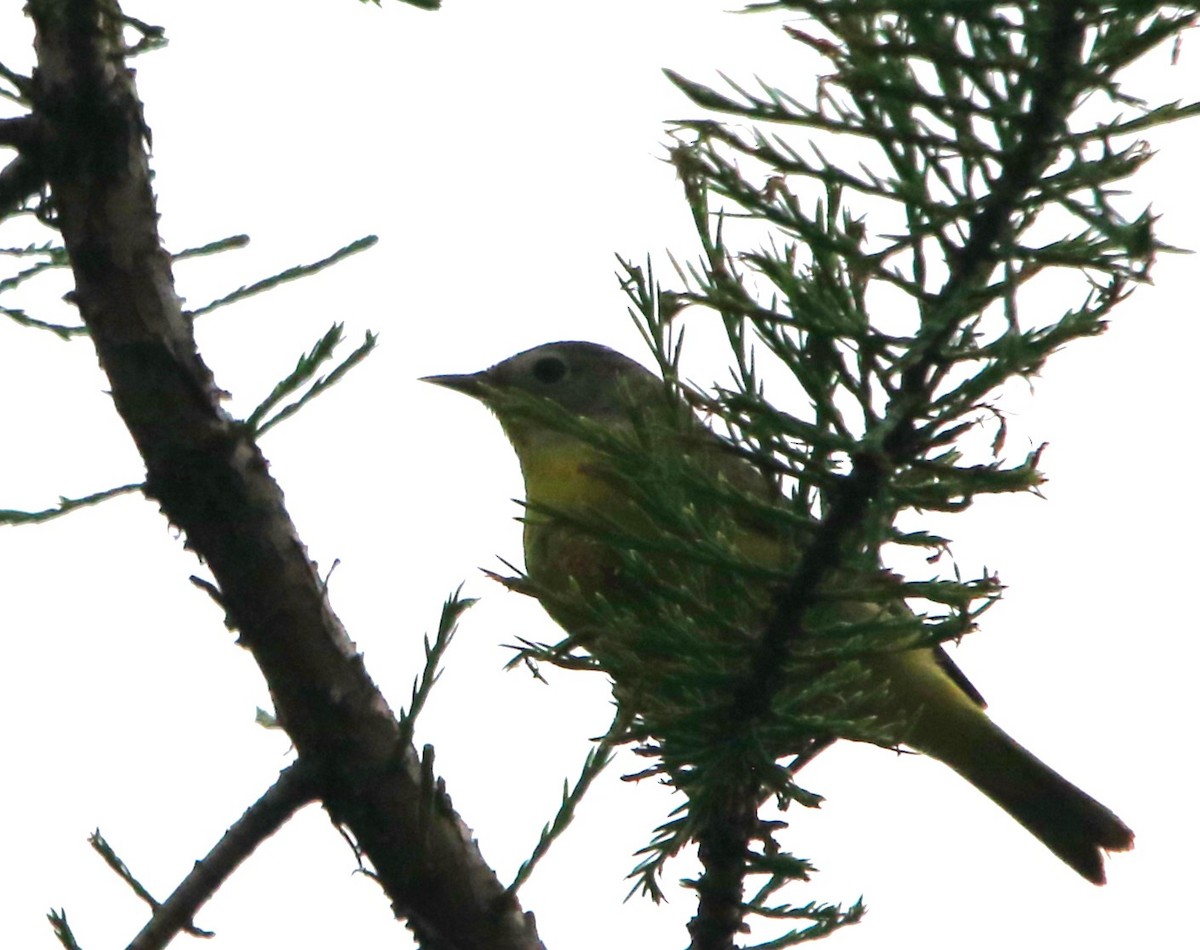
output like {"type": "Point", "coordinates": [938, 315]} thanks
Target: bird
{"type": "Point", "coordinates": [558, 402]}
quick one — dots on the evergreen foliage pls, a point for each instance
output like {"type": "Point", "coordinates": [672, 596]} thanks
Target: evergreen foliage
{"type": "Point", "coordinates": [900, 293]}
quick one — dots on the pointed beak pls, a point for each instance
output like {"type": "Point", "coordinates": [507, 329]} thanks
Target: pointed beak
{"type": "Point", "coordinates": [471, 384]}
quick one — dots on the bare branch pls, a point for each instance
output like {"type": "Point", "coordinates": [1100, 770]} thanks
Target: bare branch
{"type": "Point", "coordinates": [212, 481]}
{"type": "Point", "coordinates": [295, 788]}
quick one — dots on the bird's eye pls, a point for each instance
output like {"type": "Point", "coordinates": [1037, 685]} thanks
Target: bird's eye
{"type": "Point", "coordinates": [549, 370]}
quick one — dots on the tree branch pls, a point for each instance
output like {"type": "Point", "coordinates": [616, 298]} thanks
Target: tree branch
{"type": "Point", "coordinates": [212, 481]}
{"type": "Point", "coordinates": [20, 179]}
{"type": "Point", "coordinates": [723, 841]}
{"type": "Point", "coordinates": [861, 487]}
{"type": "Point", "coordinates": [294, 789]}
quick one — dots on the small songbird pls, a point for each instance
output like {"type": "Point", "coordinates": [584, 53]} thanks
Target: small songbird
{"type": "Point", "coordinates": [568, 483]}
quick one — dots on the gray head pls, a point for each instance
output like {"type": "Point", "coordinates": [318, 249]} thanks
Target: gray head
{"type": "Point", "coordinates": [586, 379]}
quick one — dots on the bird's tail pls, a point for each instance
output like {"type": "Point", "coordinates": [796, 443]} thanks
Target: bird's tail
{"type": "Point", "coordinates": [946, 721]}
{"type": "Point", "coordinates": [1065, 819]}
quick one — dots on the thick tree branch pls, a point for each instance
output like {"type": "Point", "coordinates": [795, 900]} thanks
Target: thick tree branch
{"type": "Point", "coordinates": [212, 481]}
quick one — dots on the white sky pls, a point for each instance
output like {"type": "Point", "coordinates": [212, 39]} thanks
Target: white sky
{"type": "Point", "coordinates": [503, 153]}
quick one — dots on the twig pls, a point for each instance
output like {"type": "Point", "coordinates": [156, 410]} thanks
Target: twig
{"type": "Point", "coordinates": [295, 788]}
